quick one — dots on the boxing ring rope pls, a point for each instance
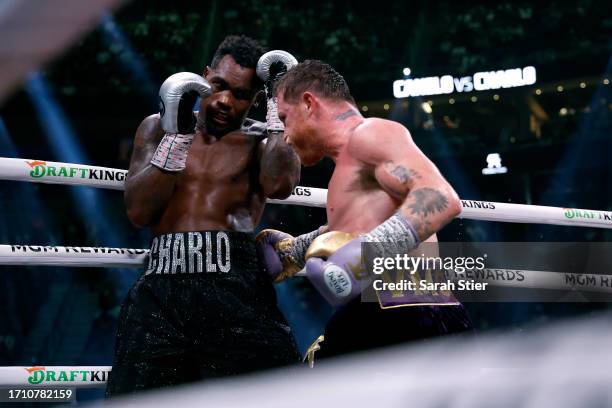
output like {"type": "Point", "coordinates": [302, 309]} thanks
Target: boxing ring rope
{"type": "Point", "coordinates": [40, 171]}
{"type": "Point", "coordinates": [100, 257]}
{"type": "Point", "coordinates": [55, 376]}
{"type": "Point", "coordinates": [103, 177]}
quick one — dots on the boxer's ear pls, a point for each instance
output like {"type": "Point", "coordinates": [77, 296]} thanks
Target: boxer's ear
{"type": "Point", "coordinates": [206, 71]}
{"type": "Point", "coordinates": [259, 98]}
{"type": "Point", "coordinates": [310, 101]}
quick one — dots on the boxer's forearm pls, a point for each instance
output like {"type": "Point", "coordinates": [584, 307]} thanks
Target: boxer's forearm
{"type": "Point", "coordinates": [430, 207]}
{"type": "Point", "coordinates": [428, 201]}
{"type": "Point", "coordinates": [279, 168]}
{"type": "Point", "coordinates": [147, 193]}
{"type": "Point", "coordinates": [147, 188]}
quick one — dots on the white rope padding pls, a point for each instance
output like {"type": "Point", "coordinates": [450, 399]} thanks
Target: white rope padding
{"type": "Point", "coordinates": [31, 255]}
{"type": "Point", "coordinates": [103, 177]}
{"type": "Point", "coordinates": [534, 214]}
{"type": "Point", "coordinates": [55, 376]}
{"type": "Point", "coordinates": [542, 280]}
{"type": "Point", "coordinates": [40, 171]}
{"type": "Point", "coordinates": [534, 279]}
{"type": "Point", "coordinates": [35, 255]}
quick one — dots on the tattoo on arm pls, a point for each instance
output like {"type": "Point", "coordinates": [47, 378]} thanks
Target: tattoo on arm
{"type": "Point", "coordinates": [427, 201]}
{"type": "Point", "coordinates": [423, 228]}
{"type": "Point", "coordinates": [401, 173]}
{"type": "Point", "coordinates": [346, 114]}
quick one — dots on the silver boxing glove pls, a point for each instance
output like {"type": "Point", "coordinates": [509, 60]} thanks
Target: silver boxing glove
{"type": "Point", "coordinates": [270, 68]}
{"type": "Point", "coordinates": [177, 95]}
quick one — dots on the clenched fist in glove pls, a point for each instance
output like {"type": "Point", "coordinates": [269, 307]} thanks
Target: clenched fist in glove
{"type": "Point", "coordinates": [177, 96]}
{"type": "Point", "coordinates": [283, 254]}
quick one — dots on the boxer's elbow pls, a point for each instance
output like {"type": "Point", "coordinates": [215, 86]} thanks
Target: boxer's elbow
{"type": "Point", "coordinates": [138, 218]}
{"type": "Point", "coordinates": [453, 203]}
{"type": "Point", "coordinates": [441, 199]}
{"type": "Point", "coordinates": [279, 188]}
{"type": "Point", "coordinates": [136, 213]}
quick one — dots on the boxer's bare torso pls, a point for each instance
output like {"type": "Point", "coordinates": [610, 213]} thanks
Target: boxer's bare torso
{"type": "Point", "coordinates": [228, 173]}
{"type": "Point", "coordinates": [355, 201]}
{"type": "Point", "coordinates": [218, 190]}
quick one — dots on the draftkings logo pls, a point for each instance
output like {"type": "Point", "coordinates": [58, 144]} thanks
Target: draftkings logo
{"type": "Point", "coordinates": [42, 169]}
{"type": "Point", "coordinates": [477, 204]}
{"type": "Point", "coordinates": [572, 213]}
{"type": "Point", "coordinates": [39, 375]}
{"type": "Point", "coordinates": [302, 191]}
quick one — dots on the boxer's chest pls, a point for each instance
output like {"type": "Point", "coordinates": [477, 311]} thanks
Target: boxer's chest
{"type": "Point", "coordinates": [347, 190]}
{"type": "Point", "coordinates": [226, 160]}
{"type": "Point", "coordinates": [355, 200]}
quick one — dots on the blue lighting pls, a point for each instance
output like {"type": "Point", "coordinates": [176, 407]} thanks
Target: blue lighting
{"type": "Point", "coordinates": [89, 203]}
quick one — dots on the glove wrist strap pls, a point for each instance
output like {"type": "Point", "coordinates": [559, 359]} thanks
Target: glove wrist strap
{"type": "Point", "coordinates": [396, 235]}
{"type": "Point", "coordinates": [171, 153]}
{"type": "Point", "coordinates": [273, 122]}
{"type": "Point", "coordinates": [295, 252]}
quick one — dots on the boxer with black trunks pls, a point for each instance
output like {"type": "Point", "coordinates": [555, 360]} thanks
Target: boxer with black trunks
{"type": "Point", "coordinates": [383, 190]}
{"type": "Point", "coordinates": [203, 308]}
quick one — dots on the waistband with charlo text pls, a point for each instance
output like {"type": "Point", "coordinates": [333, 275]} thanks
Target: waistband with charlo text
{"type": "Point", "coordinates": [190, 252]}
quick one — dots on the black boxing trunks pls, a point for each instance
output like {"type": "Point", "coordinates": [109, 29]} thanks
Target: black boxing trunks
{"type": "Point", "coordinates": [360, 326]}
{"type": "Point", "coordinates": [203, 308]}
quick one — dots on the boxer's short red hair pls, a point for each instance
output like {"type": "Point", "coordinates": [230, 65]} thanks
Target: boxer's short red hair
{"type": "Point", "coordinates": [313, 76]}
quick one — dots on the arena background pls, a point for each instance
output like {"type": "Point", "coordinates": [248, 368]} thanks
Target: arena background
{"type": "Point", "coordinates": [84, 106]}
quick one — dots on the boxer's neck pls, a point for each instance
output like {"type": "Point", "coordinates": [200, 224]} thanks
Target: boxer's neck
{"type": "Point", "coordinates": [340, 122]}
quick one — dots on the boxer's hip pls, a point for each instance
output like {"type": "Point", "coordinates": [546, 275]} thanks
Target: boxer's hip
{"type": "Point", "coordinates": [202, 308]}
{"type": "Point", "coordinates": [204, 285]}
{"type": "Point", "coordinates": [214, 253]}
{"type": "Point", "coordinates": [223, 260]}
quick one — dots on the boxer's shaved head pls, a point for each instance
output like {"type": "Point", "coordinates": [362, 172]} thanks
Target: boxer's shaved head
{"type": "Point", "coordinates": [316, 77]}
